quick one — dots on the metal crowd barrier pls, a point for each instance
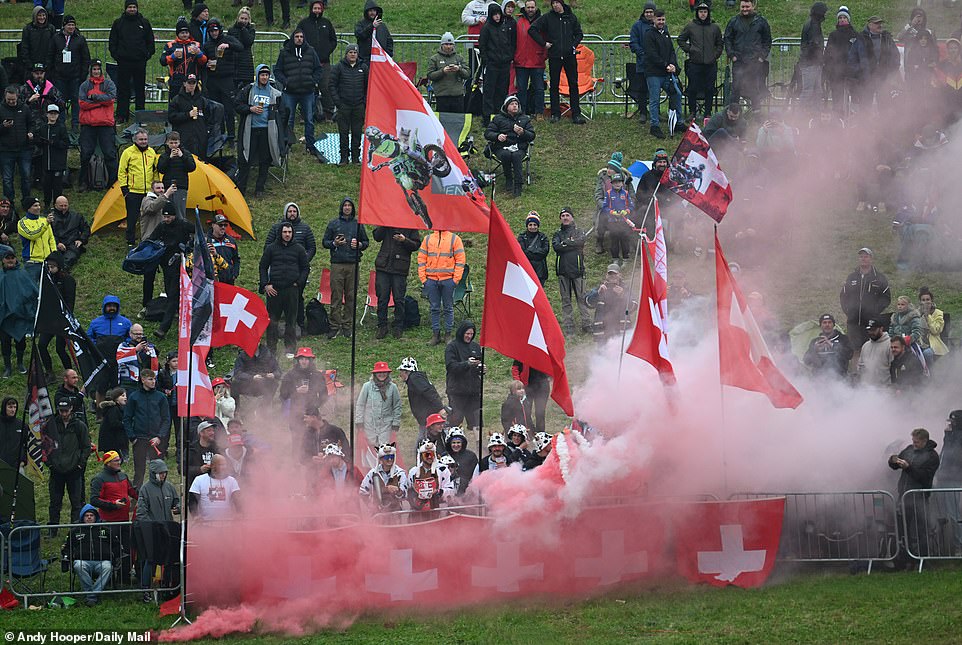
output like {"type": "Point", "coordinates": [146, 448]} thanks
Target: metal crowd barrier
{"type": "Point", "coordinates": [931, 524]}
{"type": "Point", "coordinates": [47, 551]}
{"type": "Point", "coordinates": [837, 527]}
{"type": "Point", "coordinates": [399, 518]}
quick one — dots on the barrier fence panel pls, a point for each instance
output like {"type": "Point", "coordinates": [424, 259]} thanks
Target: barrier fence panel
{"type": "Point", "coordinates": [931, 524]}
{"type": "Point", "coordinates": [837, 527]}
{"type": "Point", "coordinates": [397, 518]}
{"type": "Point", "coordinates": [31, 548]}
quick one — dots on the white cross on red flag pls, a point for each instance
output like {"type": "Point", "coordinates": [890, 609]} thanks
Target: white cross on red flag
{"type": "Point", "coordinates": [412, 175]}
{"type": "Point", "coordinates": [694, 174]}
{"type": "Point", "coordinates": [240, 318]}
{"type": "Point", "coordinates": [649, 340]}
{"type": "Point", "coordinates": [518, 320]}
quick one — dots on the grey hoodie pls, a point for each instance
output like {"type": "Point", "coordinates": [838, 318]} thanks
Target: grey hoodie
{"type": "Point", "coordinates": [303, 234]}
{"type": "Point", "coordinates": [157, 499]}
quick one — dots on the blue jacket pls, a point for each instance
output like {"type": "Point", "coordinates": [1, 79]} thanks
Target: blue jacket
{"type": "Point", "coordinates": [147, 414]}
{"type": "Point", "coordinates": [637, 42]}
{"type": "Point", "coordinates": [109, 324]}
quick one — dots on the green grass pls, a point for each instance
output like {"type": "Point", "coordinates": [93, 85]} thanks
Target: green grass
{"type": "Point", "coordinates": [812, 608]}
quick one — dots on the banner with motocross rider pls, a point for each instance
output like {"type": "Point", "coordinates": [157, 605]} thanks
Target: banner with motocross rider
{"type": "Point", "coordinates": [412, 175]}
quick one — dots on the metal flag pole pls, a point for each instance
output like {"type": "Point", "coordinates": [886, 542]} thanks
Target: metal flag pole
{"type": "Point", "coordinates": [721, 392]}
{"type": "Point", "coordinates": [631, 285]}
{"type": "Point", "coordinates": [481, 404]}
{"type": "Point", "coordinates": [357, 271]}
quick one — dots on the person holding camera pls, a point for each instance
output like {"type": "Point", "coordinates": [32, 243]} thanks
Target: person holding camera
{"type": "Point", "coordinates": [830, 351]}
{"type": "Point", "coordinates": [175, 165]}
{"type": "Point", "coordinates": [346, 239]}
{"type": "Point", "coordinates": [462, 359]}
{"type": "Point", "coordinates": [447, 71]}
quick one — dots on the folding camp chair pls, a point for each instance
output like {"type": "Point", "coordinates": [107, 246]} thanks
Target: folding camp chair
{"type": "Point", "coordinates": [497, 167]}
{"type": "Point", "coordinates": [24, 563]}
{"type": "Point", "coordinates": [371, 301]}
{"type": "Point", "coordinates": [458, 128]}
{"type": "Point", "coordinates": [152, 120]}
{"type": "Point", "coordinates": [588, 84]}
{"type": "Point", "coordinates": [324, 288]}
{"type": "Point", "coordinates": [462, 294]}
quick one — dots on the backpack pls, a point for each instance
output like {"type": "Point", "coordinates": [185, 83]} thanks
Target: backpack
{"type": "Point", "coordinates": [412, 313]}
{"type": "Point", "coordinates": [155, 309]}
{"type": "Point", "coordinates": [147, 255]}
{"type": "Point", "coordinates": [315, 319]}
{"type": "Point", "coordinates": [97, 173]}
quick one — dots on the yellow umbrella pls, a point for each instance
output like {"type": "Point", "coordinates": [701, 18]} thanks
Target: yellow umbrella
{"type": "Point", "coordinates": [210, 190]}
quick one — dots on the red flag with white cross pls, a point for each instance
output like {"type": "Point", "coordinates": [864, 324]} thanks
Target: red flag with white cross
{"type": "Point", "coordinates": [194, 391]}
{"type": "Point", "coordinates": [240, 318]}
{"type": "Point", "coordinates": [518, 320]}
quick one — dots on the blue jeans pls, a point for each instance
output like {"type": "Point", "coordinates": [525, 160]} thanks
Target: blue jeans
{"type": "Point", "coordinates": [441, 294]}
{"type": "Point", "coordinates": [87, 569]}
{"type": "Point", "coordinates": [306, 101]}
{"type": "Point", "coordinates": [9, 161]}
{"type": "Point", "coordinates": [529, 82]}
{"type": "Point", "coordinates": [655, 85]}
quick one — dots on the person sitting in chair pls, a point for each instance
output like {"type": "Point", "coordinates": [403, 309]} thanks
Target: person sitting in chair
{"type": "Point", "coordinates": [510, 132]}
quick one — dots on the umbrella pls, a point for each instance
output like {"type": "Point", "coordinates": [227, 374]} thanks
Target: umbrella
{"type": "Point", "coordinates": [673, 114]}
{"type": "Point", "coordinates": [210, 190]}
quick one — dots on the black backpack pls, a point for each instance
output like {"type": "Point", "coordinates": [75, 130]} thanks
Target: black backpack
{"type": "Point", "coordinates": [315, 319]}
{"type": "Point", "coordinates": [154, 311]}
{"type": "Point", "coordinates": [412, 313]}
{"type": "Point", "coordinates": [97, 173]}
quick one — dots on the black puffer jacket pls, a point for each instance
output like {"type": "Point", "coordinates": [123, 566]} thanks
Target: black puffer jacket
{"type": "Point", "coordinates": [262, 363]}
{"type": "Point", "coordinates": [923, 463]}
{"type": "Point", "coordinates": [132, 39]}
{"type": "Point", "coordinates": [462, 377]}
{"type": "Point", "coordinates": [562, 30]}
{"type": "Point", "coordinates": [320, 34]}
{"type": "Point", "coordinates": [36, 42]}
{"type": "Point", "coordinates": [659, 53]}
{"type": "Point", "coordinates": [15, 137]}
{"type": "Point", "coordinates": [298, 69]}
{"type": "Point", "coordinates": [350, 229]}
{"type": "Point", "coordinates": [835, 58]}
{"type": "Point", "coordinates": [176, 169]}
{"type": "Point", "coordinates": [569, 246]}
{"type": "Point", "coordinates": [303, 234]}
{"type": "Point", "coordinates": [395, 257]}
{"type": "Point", "coordinates": [244, 61]}
{"type": "Point", "coordinates": [535, 247]}
{"type": "Point", "coordinates": [503, 123]}
{"type": "Point", "coordinates": [52, 141]}
{"type": "Point", "coordinates": [193, 132]}
{"type": "Point", "coordinates": [422, 396]}
{"type": "Point", "coordinates": [79, 63]}
{"type": "Point", "coordinates": [283, 264]}
{"type": "Point", "coordinates": [68, 228]}
{"type": "Point", "coordinates": [364, 33]}
{"type": "Point", "coordinates": [498, 40]}
{"type": "Point", "coordinates": [348, 84]}
{"type": "Point", "coordinates": [227, 64]}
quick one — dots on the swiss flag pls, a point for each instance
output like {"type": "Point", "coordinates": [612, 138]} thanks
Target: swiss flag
{"type": "Point", "coordinates": [728, 543]}
{"type": "Point", "coordinates": [192, 364]}
{"type": "Point", "coordinates": [412, 175]}
{"type": "Point", "coordinates": [695, 175]}
{"type": "Point", "coordinates": [649, 340]}
{"type": "Point", "coordinates": [240, 318]}
{"type": "Point", "coordinates": [744, 358]}
{"type": "Point", "coordinates": [518, 320]}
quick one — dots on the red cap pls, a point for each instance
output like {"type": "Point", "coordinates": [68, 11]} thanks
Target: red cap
{"type": "Point", "coordinates": [218, 381]}
{"type": "Point", "coordinates": [380, 367]}
{"type": "Point", "coordinates": [434, 418]}
{"type": "Point", "coordinates": [304, 352]}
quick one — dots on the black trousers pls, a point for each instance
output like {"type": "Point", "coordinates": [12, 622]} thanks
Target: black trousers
{"type": "Point", "coordinates": [496, 80]}
{"type": "Point", "coordinates": [749, 81]}
{"type": "Point", "coordinates": [513, 163]}
{"type": "Point", "coordinates": [450, 103]}
{"type": "Point", "coordinates": [465, 407]}
{"type": "Point", "coordinates": [74, 485]}
{"type": "Point", "coordinates": [222, 90]}
{"type": "Point", "coordinates": [130, 76]}
{"type": "Point", "coordinates": [90, 136]}
{"type": "Point", "coordinates": [285, 11]}
{"type": "Point", "coordinates": [172, 287]}
{"type": "Point", "coordinates": [701, 83]}
{"type": "Point", "coordinates": [7, 344]}
{"type": "Point", "coordinates": [386, 286]}
{"type": "Point", "coordinates": [132, 202]}
{"type": "Point", "coordinates": [350, 122]}
{"type": "Point", "coordinates": [283, 306]}
{"type": "Point", "coordinates": [258, 154]}
{"type": "Point", "coordinates": [570, 66]}
{"type": "Point", "coordinates": [43, 343]}
{"type": "Point", "coordinates": [324, 90]}
{"type": "Point", "coordinates": [52, 183]}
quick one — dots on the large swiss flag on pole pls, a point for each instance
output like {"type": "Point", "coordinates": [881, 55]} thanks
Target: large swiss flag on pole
{"type": "Point", "coordinates": [744, 358]}
{"type": "Point", "coordinates": [240, 318]}
{"type": "Point", "coordinates": [649, 341]}
{"type": "Point", "coordinates": [195, 396]}
{"type": "Point", "coordinates": [518, 320]}
{"type": "Point", "coordinates": [694, 174]}
{"type": "Point", "coordinates": [412, 175]}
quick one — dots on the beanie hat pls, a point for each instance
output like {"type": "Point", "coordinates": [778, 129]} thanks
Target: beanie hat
{"type": "Point", "coordinates": [509, 99]}
{"type": "Point", "coordinates": [28, 202]}
{"type": "Point", "coordinates": [532, 217]}
{"type": "Point", "coordinates": [648, 5]}
{"type": "Point", "coordinates": [447, 38]}
{"type": "Point", "coordinates": [68, 19]}
{"type": "Point", "coordinates": [843, 11]}
{"type": "Point", "coordinates": [129, 3]}
{"type": "Point", "coordinates": [566, 209]}
{"type": "Point", "coordinates": [198, 9]}
{"type": "Point", "coordinates": [182, 25]}
{"type": "Point", "coordinates": [351, 48]}
{"type": "Point", "coordinates": [615, 163]}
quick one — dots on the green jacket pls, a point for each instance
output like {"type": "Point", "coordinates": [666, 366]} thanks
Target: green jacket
{"type": "Point", "coordinates": [446, 84]}
{"type": "Point", "coordinates": [67, 447]}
